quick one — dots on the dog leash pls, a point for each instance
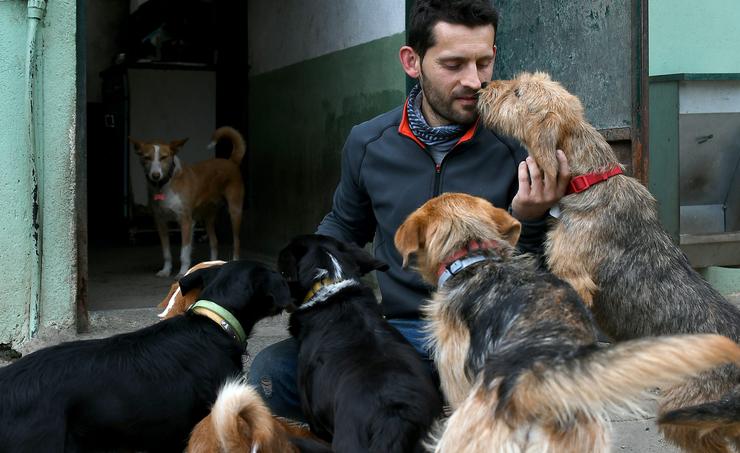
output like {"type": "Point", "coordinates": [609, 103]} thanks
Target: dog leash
{"type": "Point", "coordinates": [223, 318]}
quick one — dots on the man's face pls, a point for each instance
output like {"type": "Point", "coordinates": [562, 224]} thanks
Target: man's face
{"type": "Point", "coordinates": [452, 71]}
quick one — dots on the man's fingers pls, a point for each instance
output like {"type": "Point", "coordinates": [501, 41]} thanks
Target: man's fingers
{"type": "Point", "coordinates": [523, 175]}
{"type": "Point", "coordinates": [563, 172]}
{"type": "Point", "coordinates": [535, 175]}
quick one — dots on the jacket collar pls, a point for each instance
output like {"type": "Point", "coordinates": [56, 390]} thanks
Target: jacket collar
{"type": "Point", "coordinates": [405, 129]}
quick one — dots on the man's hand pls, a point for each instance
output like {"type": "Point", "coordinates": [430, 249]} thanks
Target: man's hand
{"type": "Point", "coordinates": [537, 192]}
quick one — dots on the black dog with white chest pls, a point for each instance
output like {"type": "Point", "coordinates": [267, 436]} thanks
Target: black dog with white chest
{"type": "Point", "coordinates": [362, 385]}
{"type": "Point", "coordinates": [143, 390]}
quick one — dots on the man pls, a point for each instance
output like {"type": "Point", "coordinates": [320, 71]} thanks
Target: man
{"type": "Point", "coordinates": [433, 144]}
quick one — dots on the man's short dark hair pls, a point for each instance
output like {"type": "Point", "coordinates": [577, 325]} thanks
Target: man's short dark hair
{"type": "Point", "coordinates": [425, 14]}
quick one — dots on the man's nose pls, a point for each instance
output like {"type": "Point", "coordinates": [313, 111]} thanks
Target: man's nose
{"type": "Point", "coordinates": [470, 77]}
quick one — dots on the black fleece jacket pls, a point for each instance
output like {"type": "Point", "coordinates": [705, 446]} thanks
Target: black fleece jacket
{"type": "Point", "coordinates": [387, 173]}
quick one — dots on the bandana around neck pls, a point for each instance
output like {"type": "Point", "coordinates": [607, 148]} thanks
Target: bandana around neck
{"type": "Point", "coordinates": [422, 130]}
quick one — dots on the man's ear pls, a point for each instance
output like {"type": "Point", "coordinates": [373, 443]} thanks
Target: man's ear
{"type": "Point", "coordinates": [198, 279]}
{"type": "Point", "coordinates": [411, 237]}
{"type": "Point", "coordinates": [410, 61]}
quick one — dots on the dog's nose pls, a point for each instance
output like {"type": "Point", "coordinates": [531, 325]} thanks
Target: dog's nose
{"type": "Point", "coordinates": [155, 176]}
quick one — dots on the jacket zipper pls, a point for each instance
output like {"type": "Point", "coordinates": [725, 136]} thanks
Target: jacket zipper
{"type": "Point", "coordinates": [438, 170]}
{"type": "Point", "coordinates": [437, 177]}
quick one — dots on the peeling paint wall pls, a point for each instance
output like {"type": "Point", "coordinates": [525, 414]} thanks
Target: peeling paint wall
{"type": "Point", "coordinates": [57, 130]}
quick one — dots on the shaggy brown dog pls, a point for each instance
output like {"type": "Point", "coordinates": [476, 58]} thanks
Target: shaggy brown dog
{"type": "Point", "coordinates": [515, 346]}
{"type": "Point", "coordinates": [240, 422]}
{"type": "Point", "coordinates": [610, 245]}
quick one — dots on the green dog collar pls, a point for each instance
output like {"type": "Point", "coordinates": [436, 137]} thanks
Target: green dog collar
{"type": "Point", "coordinates": [222, 317]}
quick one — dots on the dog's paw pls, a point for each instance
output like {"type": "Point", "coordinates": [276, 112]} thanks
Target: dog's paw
{"type": "Point", "coordinates": [165, 272]}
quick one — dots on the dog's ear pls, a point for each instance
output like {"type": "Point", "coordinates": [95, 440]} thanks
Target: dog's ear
{"type": "Point", "coordinates": [411, 237]}
{"type": "Point", "coordinates": [365, 261]}
{"type": "Point", "coordinates": [508, 227]}
{"type": "Point", "coordinates": [276, 288]}
{"type": "Point", "coordinates": [175, 145]}
{"type": "Point", "coordinates": [544, 147]}
{"type": "Point", "coordinates": [174, 287]}
{"type": "Point", "coordinates": [288, 259]}
{"type": "Point", "coordinates": [138, 145]}
{"type": "Point", "coordinates": [198, 279]}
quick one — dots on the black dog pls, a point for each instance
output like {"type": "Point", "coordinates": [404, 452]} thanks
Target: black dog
{"type": "Point", "coordinates": [360, 382]}
{"type": "Point", "coordinates": [143, 390]}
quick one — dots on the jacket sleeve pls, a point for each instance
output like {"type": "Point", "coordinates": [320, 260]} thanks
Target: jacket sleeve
{"type": "Point", "coordinates": [351, 218]}
{"type": "Point", "coordinates": [532, 238]}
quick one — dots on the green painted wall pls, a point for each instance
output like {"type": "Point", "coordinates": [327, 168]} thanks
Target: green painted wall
{"type": "Point", "coordinates": [299, 118]}
{"type": "Point", "coordinates": [687, 36]}
{"type": "Point", "coordinates": [57, 132]}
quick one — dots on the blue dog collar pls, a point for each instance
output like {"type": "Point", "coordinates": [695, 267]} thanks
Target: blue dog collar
{"type": "Point", "coordinates": [456, 266]}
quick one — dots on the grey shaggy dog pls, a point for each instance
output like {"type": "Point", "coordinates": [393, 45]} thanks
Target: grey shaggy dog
{"type": "Point", "coordinates": [610, 246]}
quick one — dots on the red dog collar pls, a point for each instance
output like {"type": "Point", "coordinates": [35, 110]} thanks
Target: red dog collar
{"type": "Point", "coordinates": [583, 182]}
{"type": "Point", "coordinates": [472, 246]}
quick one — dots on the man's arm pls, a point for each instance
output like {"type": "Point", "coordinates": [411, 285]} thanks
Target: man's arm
{"type": "Point", "coordinates": [351, 218]}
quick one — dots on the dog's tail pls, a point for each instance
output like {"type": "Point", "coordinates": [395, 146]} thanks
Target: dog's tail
{"type": "Point", "coordinates": [723, 415]}
{"type": "Point", "coordinates": [239, 421]}
{"type": "Point", "coordinates": [617, 379]}
{"type": "Point", "coordinates": [238, 147]}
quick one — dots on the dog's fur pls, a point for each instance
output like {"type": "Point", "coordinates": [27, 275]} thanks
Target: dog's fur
{"type": "Point", "coordinates": [610, 245]}
{"type": "Point", "coordinates": [361, 384]}
{"type": "Point", "coordinates": [516, 348]}
{"type": "Point", "coordinates": [188, 193]}
{"type": "Point", "coordinates": [176, 302]}
{"type": "Point", "coordinates": [240, 422]}
{"type": "Point", "coordinates": [143, 390]}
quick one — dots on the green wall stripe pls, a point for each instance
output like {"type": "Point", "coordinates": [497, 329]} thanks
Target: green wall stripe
{"type": "Point", "coordinates": [299, 118]}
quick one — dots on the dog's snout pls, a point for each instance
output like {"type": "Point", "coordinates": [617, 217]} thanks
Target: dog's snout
{"type": "Point", "coordinates": [155, 176]}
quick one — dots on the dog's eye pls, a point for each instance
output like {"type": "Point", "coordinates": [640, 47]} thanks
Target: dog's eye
{"type": "Point", "coordinates": [517, 93]}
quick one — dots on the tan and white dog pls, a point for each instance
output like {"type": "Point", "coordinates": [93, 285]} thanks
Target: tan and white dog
{"type": "Point", "coordinates": [192, 192]}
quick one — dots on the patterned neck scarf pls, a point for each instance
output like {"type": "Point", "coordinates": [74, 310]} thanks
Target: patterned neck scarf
{"type": "Point", "coordinates": [422, 130]}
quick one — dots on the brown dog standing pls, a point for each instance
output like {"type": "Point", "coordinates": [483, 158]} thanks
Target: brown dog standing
{"type": "Point", "coordinates": [610, 245]}
{"type": "Point", "coordinates": [189, 192]}
{"type": "Point", "coordinates": [515, 346]}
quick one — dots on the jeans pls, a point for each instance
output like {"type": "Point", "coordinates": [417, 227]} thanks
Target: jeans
{"type": "Point", "coordinates": [274, 369]}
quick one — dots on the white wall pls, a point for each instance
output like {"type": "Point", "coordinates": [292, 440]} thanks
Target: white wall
{"type": "Point", "coordinates": [283, 32]}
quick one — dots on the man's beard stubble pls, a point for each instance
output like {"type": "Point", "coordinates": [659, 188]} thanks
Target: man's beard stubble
{"type": "Point", "coordinates": [442, 108]}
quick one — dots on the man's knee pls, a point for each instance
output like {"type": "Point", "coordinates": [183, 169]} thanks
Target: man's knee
{"type": "Point", "coordinates": [276, 362]}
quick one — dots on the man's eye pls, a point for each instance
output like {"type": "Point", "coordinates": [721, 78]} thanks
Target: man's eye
{"type": "Point", "coordinates": [452, 66]}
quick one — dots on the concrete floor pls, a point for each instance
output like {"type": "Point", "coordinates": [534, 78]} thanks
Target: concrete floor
{"type": "Point", "coordinates": [123, 294]}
